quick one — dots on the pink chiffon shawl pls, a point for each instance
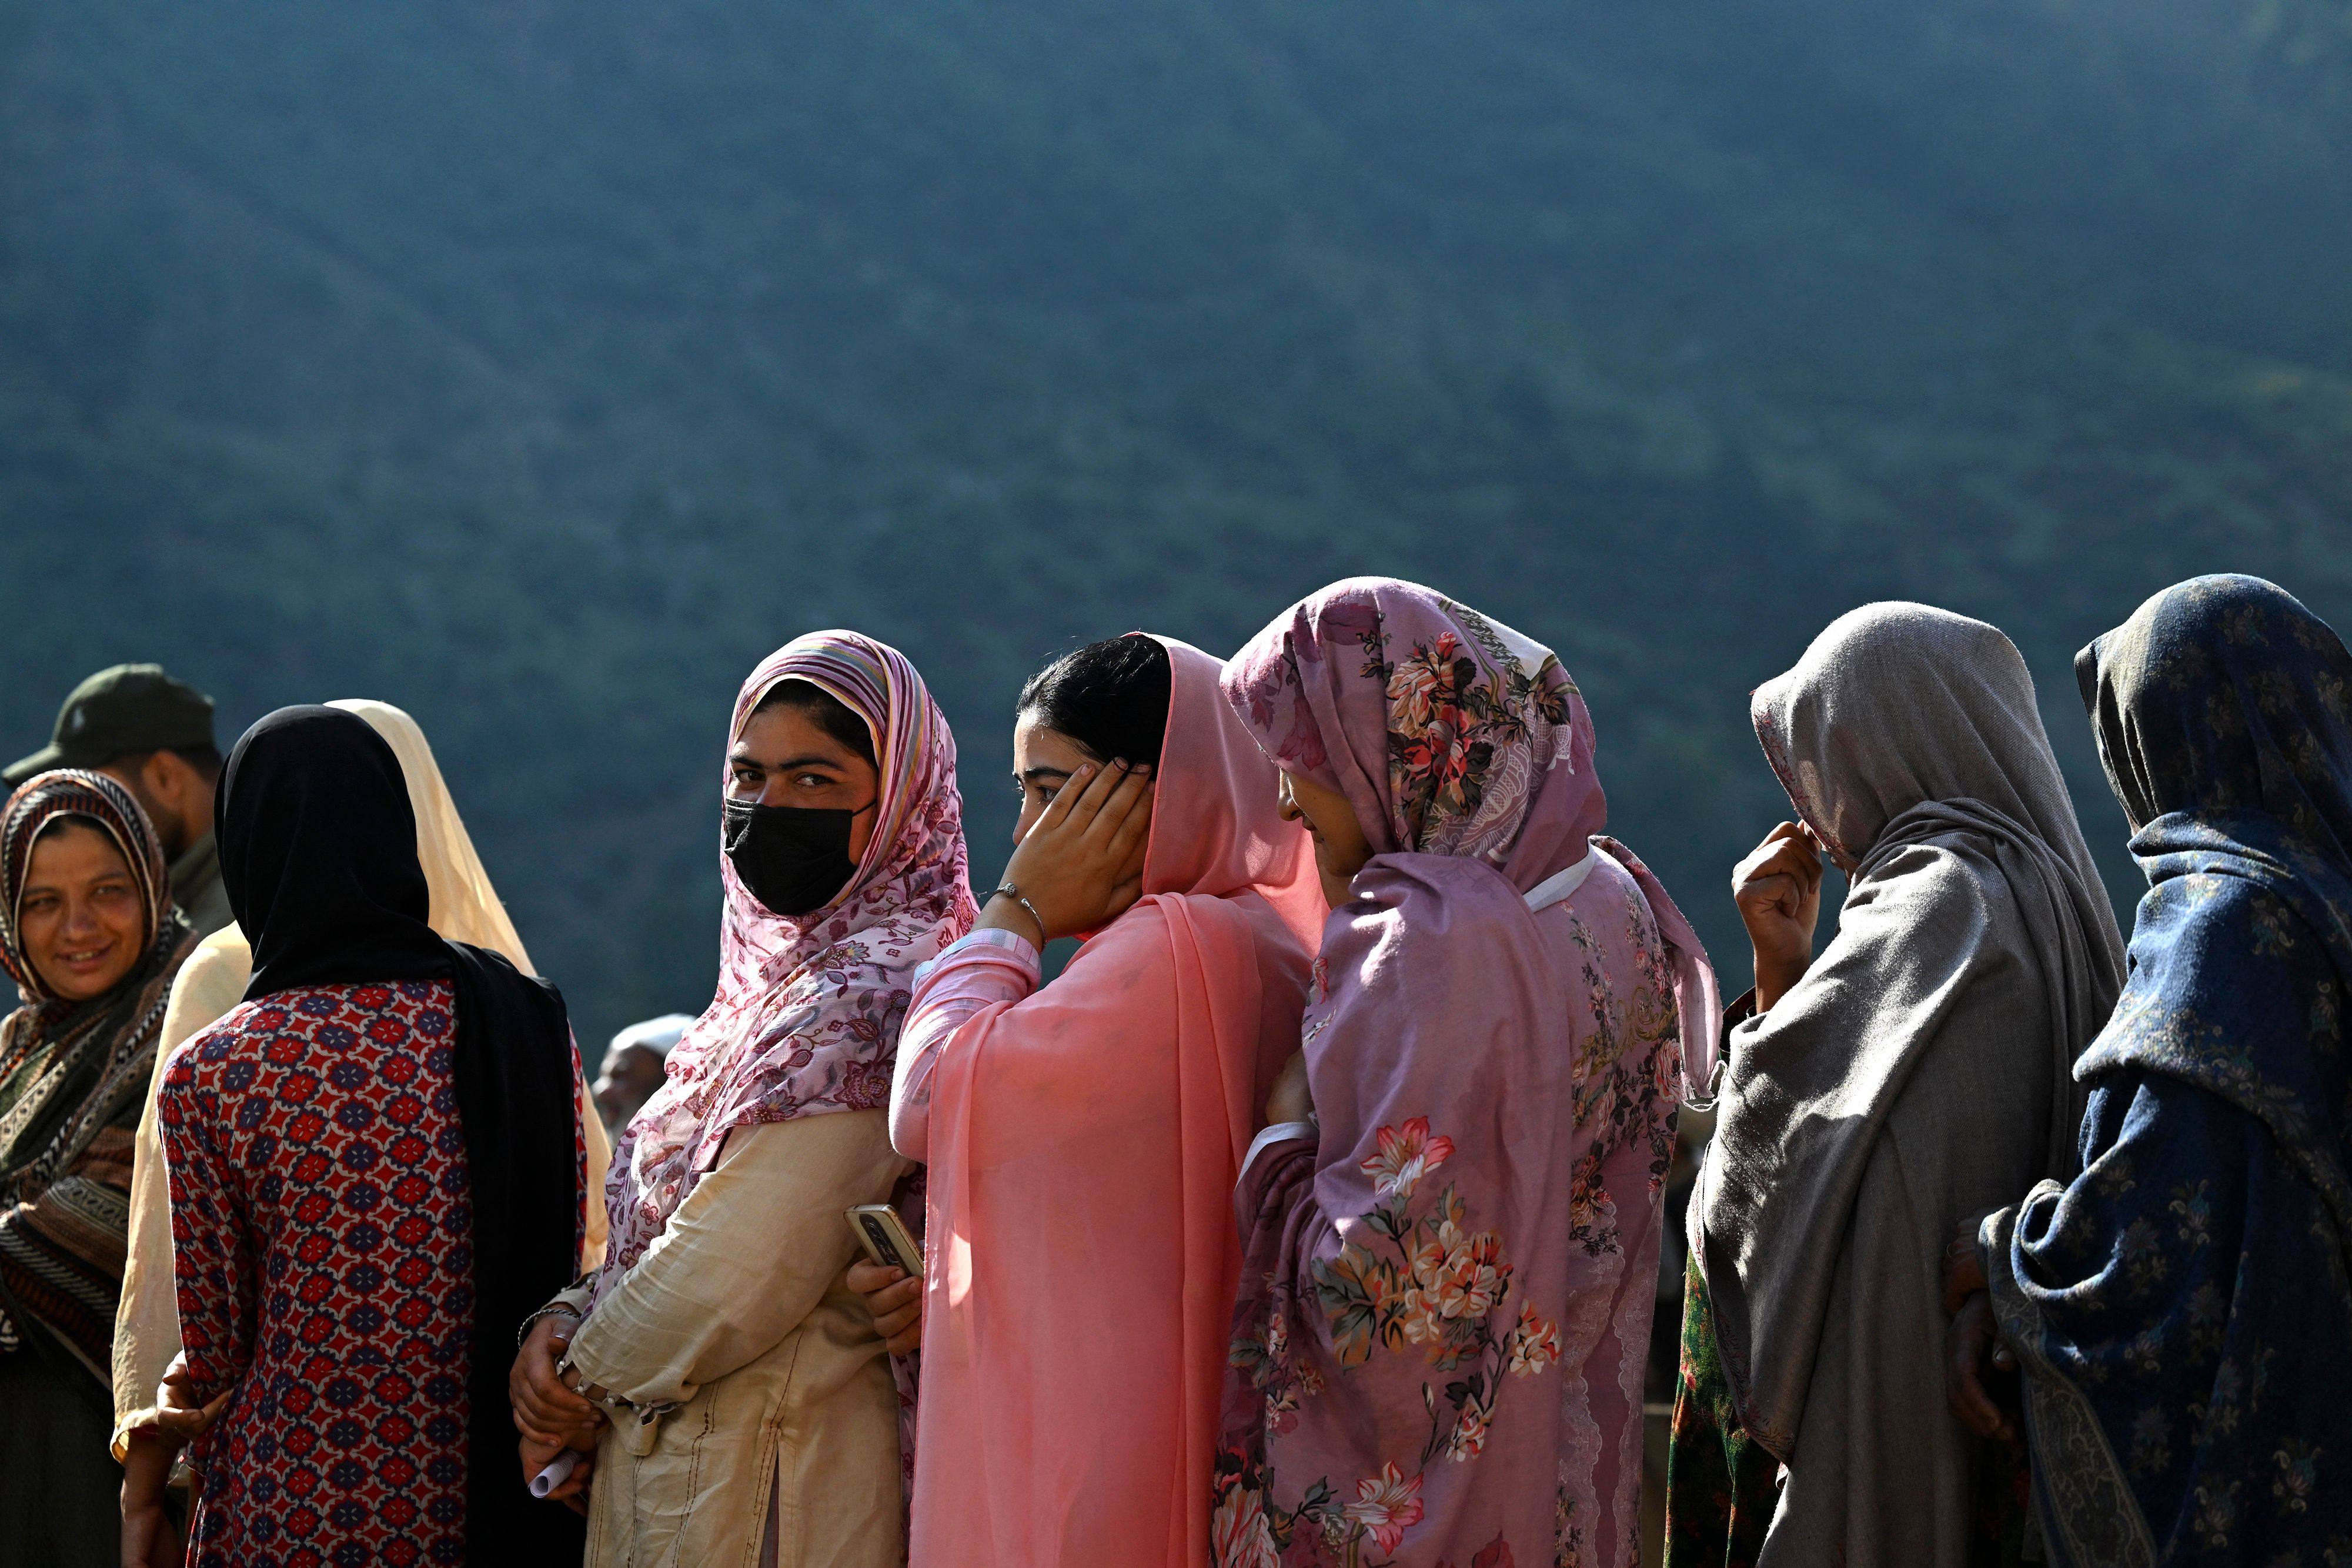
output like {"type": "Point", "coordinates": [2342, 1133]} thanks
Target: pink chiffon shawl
{"type": "Point", "coordinates": [1084, 1144]}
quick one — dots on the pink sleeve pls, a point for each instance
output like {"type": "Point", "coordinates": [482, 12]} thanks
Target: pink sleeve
{"type": "Point", "coordinates": [983, 969]}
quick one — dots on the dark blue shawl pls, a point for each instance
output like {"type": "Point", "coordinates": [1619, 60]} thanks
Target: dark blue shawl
{"type": "Point", "coordinates": [2181, 1310]}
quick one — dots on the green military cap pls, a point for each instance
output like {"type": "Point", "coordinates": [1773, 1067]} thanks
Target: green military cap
{"type": "Point", "coordinates": [128, 709]}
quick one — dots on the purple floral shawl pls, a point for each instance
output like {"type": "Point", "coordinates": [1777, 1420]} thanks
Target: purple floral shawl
{"type": "Point", "coordinates": [1446, 1292]}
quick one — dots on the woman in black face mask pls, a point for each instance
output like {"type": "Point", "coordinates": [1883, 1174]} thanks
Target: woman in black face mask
{"type": "Point", "coordinates": [730, 1391]}
{"type": "Point", "coordinates": [801, 786]}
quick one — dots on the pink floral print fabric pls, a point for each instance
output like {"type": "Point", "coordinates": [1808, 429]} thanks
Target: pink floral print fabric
{"type": "Point", "coordinates": [1446, 1292]}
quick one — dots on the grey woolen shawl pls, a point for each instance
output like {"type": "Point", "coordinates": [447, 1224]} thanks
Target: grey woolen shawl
{"type": "Point", "coordinates": [1919, 1073]}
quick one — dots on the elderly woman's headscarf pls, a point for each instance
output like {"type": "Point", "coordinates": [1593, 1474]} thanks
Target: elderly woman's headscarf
{"type": "Point", "coordinates": [68, 1069]}
{"type": "Point", "coordinates": [99, 1048]}
{"type": "Point", "coordinates": [808, 1010]}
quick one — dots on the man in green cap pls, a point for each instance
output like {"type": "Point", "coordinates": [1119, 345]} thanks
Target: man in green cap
{"type": "Point", "coordinates": [154, 735]}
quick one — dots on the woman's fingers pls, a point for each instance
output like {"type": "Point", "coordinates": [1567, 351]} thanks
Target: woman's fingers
{"type": "Point", "coordinates": [1126, 818]}
{"type": "Point", "coordinates": [536, 1390]}
{"type": "Point", "coordinates": [867, 1277]}
{"type": "Point", "coordinates": [1964, 1273]}
{"type": "Point", "coordinates": [1099, 792]}
{"type": "Point", "coordinates": [891, 1298]}
{"type": "Point", "coordinates": [1792, 857]}
{"type": "Point", "coordinates": [556, 1420]}
{"type": "Point", "coordinates": [1774, 884]}
{"type": "Point", "coordinates": [548, 1405]}
{"type": "Point", "coordinates": [1786, 851]}
{"type": "Point", "coordinates": [1086, 791]}
{"type": "Point", "coordinates": [1065, 799]}
{"type": "Point", "coordinates": [571, 1492]}
{"type": "Point", "coordinates": [535, 1453]}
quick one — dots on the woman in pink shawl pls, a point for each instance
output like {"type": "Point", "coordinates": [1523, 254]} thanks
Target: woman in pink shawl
{"type": "Point", "coordinates": [728, 1385]}
{"type": "Point", "coordinates": [1450, 1255]}
{"type": "Point", "coordinates": [1083, 1138]}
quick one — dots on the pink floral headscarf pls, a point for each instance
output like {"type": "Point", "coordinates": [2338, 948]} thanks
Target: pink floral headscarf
{"type": "Point", "coordinates": [1450, 734]}
{"type": "Point", "coordinates": [807, 1015]}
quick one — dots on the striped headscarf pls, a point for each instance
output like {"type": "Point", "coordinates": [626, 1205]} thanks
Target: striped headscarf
{"type": "Point", "coordinates": [74, 792]}
{"type": "Point", "coordinates": [69, 1071]}
{"type": "Point", "coordinates": [807, 1016]}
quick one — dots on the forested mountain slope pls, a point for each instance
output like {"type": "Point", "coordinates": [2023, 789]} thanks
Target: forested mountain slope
{"type": "Point", "coordinates": [537, 365]}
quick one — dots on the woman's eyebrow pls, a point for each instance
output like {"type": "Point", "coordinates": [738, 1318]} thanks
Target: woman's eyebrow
{"type": "Point", "coordinates": [742, 757]}
{"type": "Point", "coordinates": [1041, 775]}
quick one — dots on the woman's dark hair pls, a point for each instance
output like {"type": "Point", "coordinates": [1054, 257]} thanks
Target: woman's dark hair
{"type": "Point", "coordinates": [1111, 696]}
{"type": "Point", "coordinates": [826, 711]}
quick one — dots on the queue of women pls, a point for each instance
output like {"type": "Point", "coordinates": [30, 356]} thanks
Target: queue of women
{"type": "Point", "coordinates": [1310, 1215]}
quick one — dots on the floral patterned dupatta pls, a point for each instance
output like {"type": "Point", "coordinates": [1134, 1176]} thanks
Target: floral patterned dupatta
{"type": "Point", "coordinates": [806, 1017]}
{"type": "Point", "coordinates": [1446, 1289]}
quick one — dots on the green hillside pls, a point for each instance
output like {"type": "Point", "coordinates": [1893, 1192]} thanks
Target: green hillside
{"type": "Point", "coordinates": [539, 364]}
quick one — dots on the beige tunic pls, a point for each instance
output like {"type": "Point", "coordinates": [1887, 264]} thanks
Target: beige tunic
{"type": "Point", "coordinates": [147, 1322]}
{"type": "Point", "coordinates": [762, 1392]}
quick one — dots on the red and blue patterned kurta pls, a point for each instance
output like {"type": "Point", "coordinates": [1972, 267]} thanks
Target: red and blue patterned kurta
{"type": "Point", "coordinates": [322, 1243]}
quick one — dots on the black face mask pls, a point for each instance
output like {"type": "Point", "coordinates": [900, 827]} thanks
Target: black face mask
{"type": "Point", "coordinates": [793, 859]}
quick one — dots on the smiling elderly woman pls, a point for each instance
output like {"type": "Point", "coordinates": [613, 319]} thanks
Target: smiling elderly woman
{"type": "Point", "coordinates": [89, 934]}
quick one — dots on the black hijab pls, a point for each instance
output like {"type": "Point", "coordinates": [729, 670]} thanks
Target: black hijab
{"type": "Point", "coordinates": [318, 853]}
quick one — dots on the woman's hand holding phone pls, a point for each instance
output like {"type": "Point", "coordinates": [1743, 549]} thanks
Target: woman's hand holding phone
{"type": "Point", "coordinates": [895, 1301]}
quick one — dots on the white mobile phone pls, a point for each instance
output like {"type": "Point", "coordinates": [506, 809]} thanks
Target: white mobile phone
{"type": "Point", "coordinates": [884, 1236]}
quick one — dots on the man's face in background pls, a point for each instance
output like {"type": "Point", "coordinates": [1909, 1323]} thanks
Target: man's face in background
{"type": "Point", "coordinates": [631, 1075]}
